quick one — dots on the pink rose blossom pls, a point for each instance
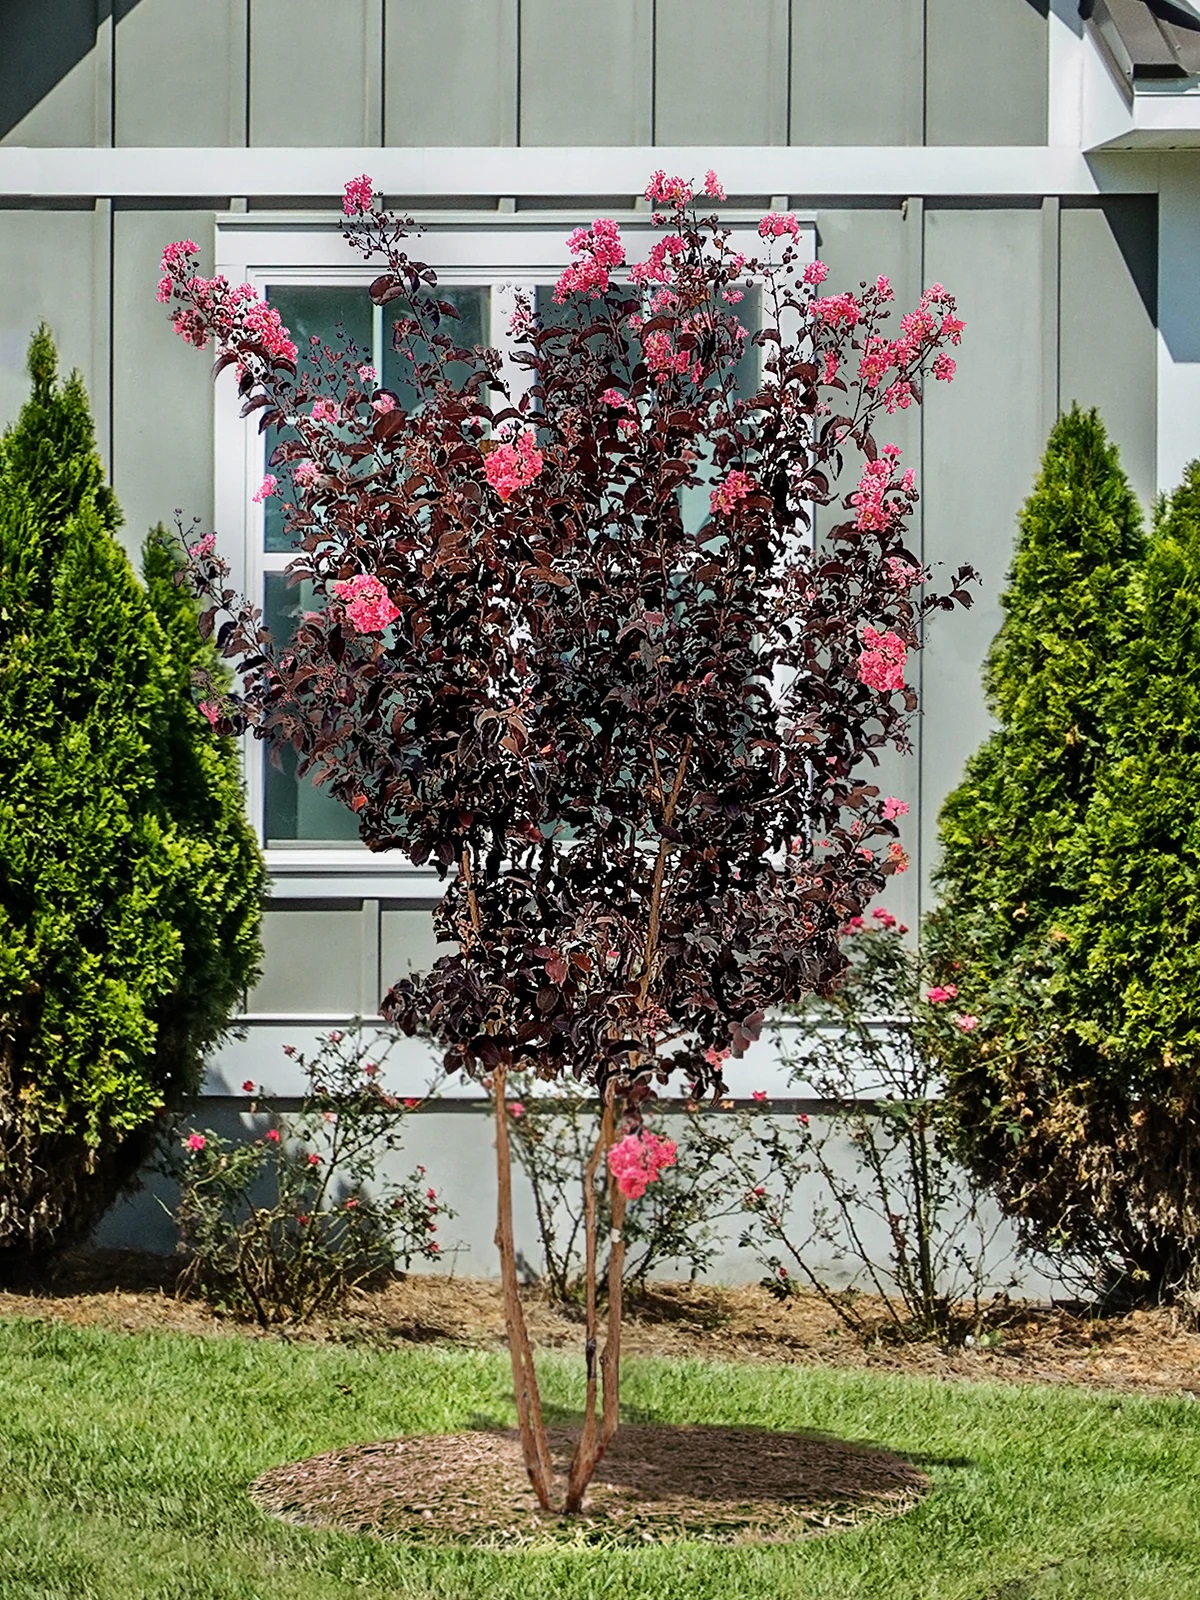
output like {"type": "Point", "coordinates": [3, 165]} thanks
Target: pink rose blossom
{"type": "Point", "coordinates": [196, 1141]}
{"type": "Point", "coordinates": [335, 1036]}
{"type": "Point", "coordinates": [884, 918]}
{"type": "Point", "coordinates": [314, 1159]}
{"type": "Point", "coordinates": [273, 1135]}
{"type": "Point", "coordinates": [942, 991]}
{"type": "Point", "coordinates": [248, 1086]}
{"type": "Point", "coordinates": [759, 1094]}
{"type": "Point", "coordinates": [881, 664]}
{"type": "Point", "coordinates": [510, 467]}
{"type": "Point", "coordinates": [210, 710]}
{"type": "Point", "coordinates": [369, 608]}
{"type": "Point", "coordinates": [516, 1109]}
{"type": "Point", "coordinates": [266, 488]}
{"type": "Point", "coordinates": [359, 194]}
{"type": "Point", "coordinates": [636, 1161]}
{"type": "Point", "coordinates": [966, 1022]}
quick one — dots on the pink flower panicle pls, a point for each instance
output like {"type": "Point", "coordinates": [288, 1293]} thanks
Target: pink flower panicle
{"type": "Point", "coordinates": [324, 411]}
{"type": "Point", "coordinates": [838, 308]}
{"type": "Point", "coordinates": [597, 250]}
{"type": "Point", "coordinates": [726, 497]}
{"type": "Point", "coordinates": [669, 191]}
{"type": "Point", "coordinates": [636, 1161]}
{"type": "Point", "coordinates": [881, 663]}
{"type": "Point", "coordinates": [657, 267]}
{"type": "Point", "coordinates": [510, 467]}
{"type": "Point", "coordinates": [943, 367]}
{"type": "Point", "coordinates": [369, 608]}
{"type": "Point", "coordinates": [712, 186]}
{"type": "Point", "coordinates": [267, 488]}
{"type": "Point", "coordinates": [816, 272]}
{"type": "Point", "coordinates": [775, 224]}
{"type": "Point", "coordinates": [901, 574]}
{"type": "Point", "coordinates": [304, 473]}
{"type": "Point", "coordinates": [358, 197]}
{"type": "Point", "coordinates": [893, 808]}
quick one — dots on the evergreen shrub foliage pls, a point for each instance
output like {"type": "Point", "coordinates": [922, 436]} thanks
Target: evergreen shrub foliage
{"type": "Point", "coordinates": [1069, 884]}
{"type": "Point", "coordinates": [129, 881]}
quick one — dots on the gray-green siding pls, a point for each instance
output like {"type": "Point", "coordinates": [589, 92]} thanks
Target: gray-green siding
{"type": "Point", "coordinates": [497, 72]}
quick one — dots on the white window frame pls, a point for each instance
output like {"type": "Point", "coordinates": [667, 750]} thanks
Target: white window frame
{"type": "Point", "coordinates": [506, 250]}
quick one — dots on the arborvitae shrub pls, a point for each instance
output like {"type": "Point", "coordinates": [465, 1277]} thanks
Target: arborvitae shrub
{"type": "Point", "coordinates": [1070, 883]}
{"type": "Point", "coordinates": [128, 879]}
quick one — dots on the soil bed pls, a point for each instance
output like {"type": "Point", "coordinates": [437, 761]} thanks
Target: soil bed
{"type": "Point", "coordinates": [1148, 1351]}
{"type": "Point", "coordinates": [655, 1485]}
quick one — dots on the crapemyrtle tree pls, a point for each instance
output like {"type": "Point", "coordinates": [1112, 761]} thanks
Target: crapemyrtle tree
{"type": "Point", "coordinates": [128, 879]}
{"type": "Point", "coordinates": [637, 746]}
{"type": "Point", "coordinates": [1071, 889]}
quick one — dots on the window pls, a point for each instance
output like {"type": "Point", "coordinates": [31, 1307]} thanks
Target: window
{"type": "Point", "coordinates": [304, 268]}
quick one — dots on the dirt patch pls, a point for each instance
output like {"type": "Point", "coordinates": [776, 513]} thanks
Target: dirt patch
{"type": "Point", "coordinates": [1148, 1351]}
{"type": "Point", "coordinates": [656, 1484]}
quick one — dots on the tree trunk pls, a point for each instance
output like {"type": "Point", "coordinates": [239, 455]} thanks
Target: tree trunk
{"type": "Point", "coordinates": [534, 1445]}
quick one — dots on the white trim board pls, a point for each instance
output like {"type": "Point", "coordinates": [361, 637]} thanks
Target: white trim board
{"type": "Point", "coordinates": [811, 171]}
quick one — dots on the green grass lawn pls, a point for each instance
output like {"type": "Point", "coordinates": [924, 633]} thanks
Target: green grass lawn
{"type": "Point", "coordinates": [124, 1462]}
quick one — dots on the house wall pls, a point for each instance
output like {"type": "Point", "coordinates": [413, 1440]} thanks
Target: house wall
{"type": "Point", "coordinates": [865, 113]}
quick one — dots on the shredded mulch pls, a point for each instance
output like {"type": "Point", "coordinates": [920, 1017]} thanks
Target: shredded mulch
{"type": "Point", "coordinates": [1151, 1352]}
{"type": "Point", "coordinates": [655, 1485]}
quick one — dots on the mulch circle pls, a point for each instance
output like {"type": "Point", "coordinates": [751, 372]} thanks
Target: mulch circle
{"type": "Point", "coordinates": [657, 1484]}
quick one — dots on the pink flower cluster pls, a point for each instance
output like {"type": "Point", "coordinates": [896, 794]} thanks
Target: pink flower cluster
{"type": "Point", "coordinates": [775, 224]}
{"type": "Point", "coordinates": [636, 1161]}
{"type": "Point", "coordinates": [597, 249]}
{"type": "Point", "coordinates": [267, 488]}
{"type": "Point", "coordinates": [726, 497]}
{"type": "Point", "coordinates": [359, 194]}
{"type": "Point", "coordinates": [893, 808]}
{"type": "Point", "coordinates": [881, 664]}
{"type": "Point", "coordinates": [662, 357]}
{"type": "Point", "coordinates": [941, 992]}
{"type": "Point", "coordinates": [672, 191]}
{"type": "Point", "coordinates": [369, 608]}
{"type": "Point", "coordinates": [967, 1023]}
{"type": "Point", "coordinates": [838, 308]}
{"type": "Point", "coordinates": [213, 308]}
{"type": "Point", "coordinates": [901, 574]}
{"type": "Point", "coordinates": [656, 269]}
{"type": "Point", "coordinates": [324, 411]}
{"type": "Point", "coordinates": [874, 511]}
{"type": "Point", "coordinates": [712, 186]}
{"type": "Point", "coordinates": [920, 328]}
{"type": "Point", "coordinates": [304, 473]}
{"type": "Point", "coordinates": [816, 272]}
{"type": "Point", "coordinates": [510, 467]}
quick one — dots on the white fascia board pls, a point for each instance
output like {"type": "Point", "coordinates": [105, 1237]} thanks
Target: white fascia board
{"type": "Point", "coordinates": [1149, 116]}
{"type": "Point", "coordinates": [484, 173]}
{"type": "Point", "coordinates": [315, 874]}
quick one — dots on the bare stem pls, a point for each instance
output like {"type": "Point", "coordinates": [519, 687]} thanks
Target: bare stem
{"type": "Point", "coordinates": [587, 1456]}
{"type": "Point", "coordinates": [534, 1444]}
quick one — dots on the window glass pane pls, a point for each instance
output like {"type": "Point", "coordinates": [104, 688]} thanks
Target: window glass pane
{"type": "Point", "coordinates": [294, 808]}
{"type": "Point", "coordinates": [470, 328]}
{"type": "Point", "coordinates": [694, 503]}
{"type": "Point", "coordinates": [308, 310]}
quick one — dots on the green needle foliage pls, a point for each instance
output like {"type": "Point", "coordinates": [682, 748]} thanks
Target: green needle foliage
{"type": "Point", "coordinates": [129, 880]}
{"type": "Point", "coordinates": [1061, 925]}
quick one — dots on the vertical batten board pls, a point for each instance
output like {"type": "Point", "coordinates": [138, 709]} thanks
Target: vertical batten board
{"type": "Point", "coordinates": [586, 72]}
{"type": "Point", "coordinates": [161, 44]}
{"type": "Point", "coordinates": [720, 73]}
{"type": "Point", "coordinates": [983, 443]}
{"type": "Point", "coordinates": [102, 309]}
{"type": "Point", "coordinates": [103, 106]}
{"type": "Point", "coordinates": [450, 72]}
{"type": "Point", "coordinates": [1178, 317]}
{"type": "Point", "coordinates": [858, 244]}
{"type": "Point", "coordinates": [50, 78]}
{"type": "Point", "coordinates": [309, 72]}
{"type": "Point", "coordinates": [162, 388]}
{"type": "Point", "coordinates": [830, 41]}
{"type": "Point", "coordinates": [1108, 339]}
{"type": "Point", "coordinates": [368, 998]}
{"type": "Point", "coordinates": [47, 266]}
{"type": "Point", "coordinates": [986, 72]}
